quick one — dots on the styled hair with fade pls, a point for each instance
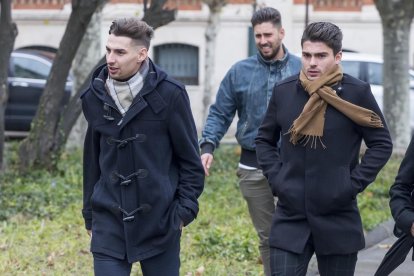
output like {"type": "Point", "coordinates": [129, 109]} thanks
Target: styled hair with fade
{"type": "Point", "coordinates": [267, 14]}
{"type": "Point", "coordinates": [136, 29]}
{"type": "Point", "coordinates": [325, 32]}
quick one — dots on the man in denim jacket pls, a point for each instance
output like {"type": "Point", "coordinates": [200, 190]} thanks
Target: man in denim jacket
{"type": "Point", "coordinates": [246, 89]}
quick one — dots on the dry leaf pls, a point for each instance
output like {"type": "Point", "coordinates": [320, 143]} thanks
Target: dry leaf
{"type": "Point", "coordinates": [51, 259]}
{"type": "Point", "coordinates": [84, 251]}
{"type": "Point", "coordinates": [384, 245]}
{"type": "Point", "coordinates": [200, 271]}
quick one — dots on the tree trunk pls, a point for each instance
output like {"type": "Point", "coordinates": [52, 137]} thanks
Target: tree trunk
{"type": "Point", "coordinates": [396, 17]}
{"type": "Point", "coordinates": [38, 149]}
{"type": "Point", "coordinates": [45, 142]}
{"type": "Point", "coordinates": [85, 60]}
{"type": "Point", "coordinates": [213, 22]}
{"type": "Point", "coordinates": [210, 35]}
{"type": "Point", "coordinates": [8, 33]}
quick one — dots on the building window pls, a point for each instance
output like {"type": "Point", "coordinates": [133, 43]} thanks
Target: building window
{"type": "Point", "coordinates": [180, 61]}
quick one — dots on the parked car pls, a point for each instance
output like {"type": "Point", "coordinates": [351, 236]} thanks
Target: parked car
{"type": "Point", "coordinates": [369, 69]}
{"type": "Point", "coordinates": [28, 72]}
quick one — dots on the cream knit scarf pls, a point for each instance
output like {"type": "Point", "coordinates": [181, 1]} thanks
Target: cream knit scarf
{"type": "Point", "coordinates": [124, 92]}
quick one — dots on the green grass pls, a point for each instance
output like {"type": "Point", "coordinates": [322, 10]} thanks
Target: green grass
{"type": "Point", "coordinates": [373, 202]}
{"type": "Point", "coordinates": [42, 231]}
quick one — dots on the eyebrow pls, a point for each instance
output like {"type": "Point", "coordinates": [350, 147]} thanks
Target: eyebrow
{"type": "Point", "coordinates": [115, 49]}
{"type": "Point", "coordinates": [317, 53]}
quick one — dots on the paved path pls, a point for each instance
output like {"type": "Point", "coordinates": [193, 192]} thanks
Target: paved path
{"type": "Point", "coordinates": [370, 258]}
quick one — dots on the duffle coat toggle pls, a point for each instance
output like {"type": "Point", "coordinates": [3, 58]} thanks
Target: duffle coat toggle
{"type": "Point", "coordinates": [125, 180]}
{"type": "Point", "coordinates": [123, 142]}
{"type": "Point", "coordinates": [129, 216]}
{"type": "Point", "coordinates": [108, 112]}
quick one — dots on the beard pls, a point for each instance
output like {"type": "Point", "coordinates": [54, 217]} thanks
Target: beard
{"type": "Point", "coordinates": [272, 55]}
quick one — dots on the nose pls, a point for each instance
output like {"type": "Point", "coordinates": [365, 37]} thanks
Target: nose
{"type": "Point", "coordinates": [110, 58]}
{"type": "Point", "coordinates": [262, 40]}
{"type": "Point", "coordinates": [312, 61]}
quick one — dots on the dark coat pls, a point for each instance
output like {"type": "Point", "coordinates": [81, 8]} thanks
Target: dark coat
{"type": "Point", "coordinates": [402, 209]}
{"type": "Point", "coordinates": [142, 172]}
{"type": "Point", "coordinates": [401, 193]}
{"type": "Point", "coordinates": [317, 188]}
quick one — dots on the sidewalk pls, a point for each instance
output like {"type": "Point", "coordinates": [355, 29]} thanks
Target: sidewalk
{"type": "Point", "coordinates": [378, 241]}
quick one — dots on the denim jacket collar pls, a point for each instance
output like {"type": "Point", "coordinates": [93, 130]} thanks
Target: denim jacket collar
{"type": "Point", "coordinates": [280, 62]}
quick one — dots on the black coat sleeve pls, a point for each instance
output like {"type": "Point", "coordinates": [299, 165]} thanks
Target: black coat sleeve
{"type": "Point", "coordinates": [401, 192]}
{"type": "Point", "coordinates": [266, 141]}
{"type": "Point", "coordinates": [183, 135]}
{"type": "Point", "coordinates": [91, 172]}
{"type": "Point", "coordinates": [378, 142]}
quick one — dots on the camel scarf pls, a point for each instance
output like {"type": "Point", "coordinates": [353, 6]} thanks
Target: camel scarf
{"type": "Point", "coordinates": [308, 127]}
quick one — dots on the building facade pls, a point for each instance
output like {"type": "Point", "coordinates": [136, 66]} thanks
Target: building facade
{"type": "Point", "coordinates": [179, 47]}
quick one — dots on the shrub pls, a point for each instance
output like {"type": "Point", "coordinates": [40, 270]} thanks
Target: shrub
{"type": "Point", "coordinates": [40, 193]}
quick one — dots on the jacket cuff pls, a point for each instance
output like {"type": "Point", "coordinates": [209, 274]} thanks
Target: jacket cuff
{"type": "Point", "coordinates": [88, 224]}
{"type": "Point", "coordinates": [405, 221]}
{"type": "Point", "coordinates": [207, 148]}
{"type": "Point", "coordinates": [187, 215]}
{"type": "Point", "coordinates": [87, 216]}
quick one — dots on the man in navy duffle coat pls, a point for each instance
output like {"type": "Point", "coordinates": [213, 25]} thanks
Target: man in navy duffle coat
{"type": "Point", "coordinates": [142, 169]}
{"type": "Point", "coordinates": [321, 116]}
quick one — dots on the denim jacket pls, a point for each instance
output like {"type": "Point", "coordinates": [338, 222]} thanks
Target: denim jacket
{"type": "Point", "coordinates": [246, 88]}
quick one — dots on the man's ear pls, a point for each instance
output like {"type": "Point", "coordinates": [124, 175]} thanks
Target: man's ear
{"type": "Point", "coordinates": [338, 57]}
{"type": "Point", "coordinates": [142, 54]}
{"type": "Point", "coordinates": [281, 33]}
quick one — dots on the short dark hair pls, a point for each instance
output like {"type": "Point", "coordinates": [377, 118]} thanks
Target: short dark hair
{"type": "Point", "coordinates": [267, 14]}
{"type": "Point", "coordinates": [133, 28]}
{"type": "Point", "coordinates": [325, 32]}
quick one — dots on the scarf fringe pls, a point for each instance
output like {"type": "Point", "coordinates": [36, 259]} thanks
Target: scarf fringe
{"type": "Point", "coordinates": [304, 140]}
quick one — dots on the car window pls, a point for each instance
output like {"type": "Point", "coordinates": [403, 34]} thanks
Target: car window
{"type": "Point", "coordinates": [30, 68]}
{"type": "Point", "coordinates": [374, 73]}
{"type": "Point", "coordinates": [351, 67]}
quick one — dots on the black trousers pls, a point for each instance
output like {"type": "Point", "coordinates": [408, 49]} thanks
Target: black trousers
{"type": "Point", "coordinates": [166, 263]}
{"type": "Point", "coordinates": [285, 263]}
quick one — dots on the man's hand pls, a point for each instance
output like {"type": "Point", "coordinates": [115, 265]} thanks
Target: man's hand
{"type": "Point", "coordinates": [207, 160]}
{"type": "Point", "coordinates": [412, 229]}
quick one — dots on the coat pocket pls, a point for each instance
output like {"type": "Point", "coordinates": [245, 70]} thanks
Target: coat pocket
{"type": "Point", "coordinates": [101, 198]}
{"type": "Point", "coordinates": [336, 190]}
{"type": "Point", "coordinates": [96, 194]}
{"type": "Point", "coordinates": [276, 180]}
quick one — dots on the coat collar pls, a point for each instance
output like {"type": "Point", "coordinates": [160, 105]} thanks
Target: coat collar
{"type": "Point", "coordinates": [148, 96]}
